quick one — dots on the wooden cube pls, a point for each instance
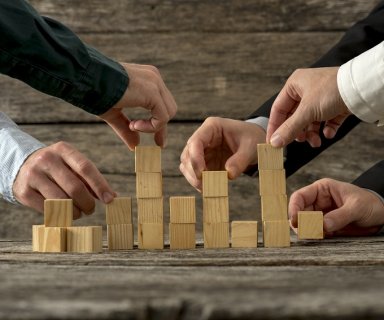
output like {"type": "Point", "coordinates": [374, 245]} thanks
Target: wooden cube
{"type": "Point", "coordinates": [276, 234]}
{"type": "Point", "coordinates": [182, 209]}
{"type": "Point", "coordinates": [182, 235]}
{"type": "Point", "coordinates": [37, 238]}
{"type": "Point", "coordinates": [147, 159]}
{"type": "Point", "coordinates": [55, 239]}
{"type": "Point", "coordinates": [272, 182]}
{"type": "Point", "coordinates": [216, 235]}
{"type": "Point", "coordinates": [120, 236]}
{"type": "Point", "coordinates": [150, 210]}
{"type": "Point", "coordinates": [274, 207]}
{"type": "Point", "coordinates": [216, 209]}
{"type": "Point", "coordinates": [215, 184]}
{"type": "Point", "coordinates": [58, 212]}
{"type": "Point", "coordinates": [149, 185]}
{"type": "Point", "coordinates": [85, 239]}
{"type": "Point", "coordinates": [269, 157]}
{"type": "Point", "coordinates": [119, 211]}
{"type": "Point", "coordinates": [151, 235]}
{"type": "Point", "coordinates": [244, 234]}
{"type": "Point", "coordinates": [310, 225]}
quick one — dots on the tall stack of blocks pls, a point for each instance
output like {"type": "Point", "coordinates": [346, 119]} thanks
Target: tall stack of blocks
{"type": "Point", "coordinates": [274, 207]}
{"type": "Point", "coordinates": [215, 209]}
{"type": "Point", "coordinates": [149, 195]}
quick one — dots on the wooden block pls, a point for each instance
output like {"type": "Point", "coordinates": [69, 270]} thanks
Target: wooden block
{"type": "Point", "coordinates": [216, 209]}
{"type": "Point", "coordinates": [216, 235]}
{"type": "Point", "coordinates": [244, 234]}
{"type": "Point", "coordinates": [37, 237]}
{"type": "Point", "coordinates": [147, 159]}
{"type": "Point", "coordinates": [55, 239]}
{"type": "Point", "coordinates": [310, 225]}
{"type": "Point", "coordinates": [182, 209]}
{"type": "Point", "coordinates": [120, 236]}
{"type": "Point", "coordinates": [182, 235]}
{"type": "Point", "coordinates": [85, 239]}
{"type": "Point", "coordinates": [276, 234]}
{"type": "Point", "coordinates": [151, 235]}
{"type": "Point", "coordinates": [150, 210]}
{"type": "Point", "coordinates": [149, 185]}
{"type": "Point", "coordinates": [119, 211]}
{"type": "Point", "coordinates": [58, 212]}
{"type": "Point", "coordinates": [269, 157]}
{"type": "Point", "coordinates": [215, 184]}
{"type": "Point", "coordinates": [272, 182]}
{"type": "Point", "coordinates": [274, 207]}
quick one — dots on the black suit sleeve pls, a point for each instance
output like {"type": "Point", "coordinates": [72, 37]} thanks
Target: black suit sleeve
{"type": "Point", "coordinates": [372, 179]}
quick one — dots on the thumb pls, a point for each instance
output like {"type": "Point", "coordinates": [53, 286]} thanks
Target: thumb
{"type": "Point", "coordinates": [337, 219]}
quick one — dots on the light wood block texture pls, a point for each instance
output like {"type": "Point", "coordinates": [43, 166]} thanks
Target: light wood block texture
{"type": "Point", "coordinates": [147, 159]}
{"type": "Point", "coordinates": [151, 235]}
{"type": "Point", "coordinates": [150, 210]}
{"type": "Point", "coordinates": [310, 225]}
{"type": "Point", "coordinates": [269, 158]}
{"type": "Point", "coordinates": [55, 239]}
{"type": "Point", "coordinates": [119, 211]}
{"type": "Point", "coordinates": [37, 237]}
{"type": "Point", "coordinates": [244, 234]}
{"type": "Point", "coordinates": [274, 207]}
{"type": "Point", "coordinates": [182, 209]}
{"type": "Point", "coordinates": [216, 235]}
{"type": "Point", "coordinates": [84, 239]}
{"type": "Point", "coordinates": [58, 212]}
{"type": "Point", "coordinates": [149, 185]}
{"type": "Point", "coordinates": [120, 236]}
{"type": "Point", "coordinates": [216, 209]}
{"type": "Point", "coordinates": [276, 234]}
{"type": "Point", "coordinates": [272, 182]}
{"type": "Point", "coordinates": [215, 184]}
{"type": "Point", "coordinates": [182, 235]}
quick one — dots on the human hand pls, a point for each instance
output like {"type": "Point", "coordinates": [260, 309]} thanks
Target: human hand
{"type": "Point", "coordinates": [308, 97]}
{"type": "Point", "coordinates": [349, 210]}
{"type": "Point", "coordinates": [60, 171]}
{"type": "Point", "coordinates": [146, 89]}
{"type": "Point", "coordinates": [220, 144]}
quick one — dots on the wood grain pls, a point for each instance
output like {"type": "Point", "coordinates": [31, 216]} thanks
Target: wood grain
{"type": "Point", "coordinates": [244, 234]}
{"type": "Point", "coordinates": [119, 211]}
{"type": "Point", "coordinates": [182, 209]}
{"type": "Point", "coordinates": [120, 236]}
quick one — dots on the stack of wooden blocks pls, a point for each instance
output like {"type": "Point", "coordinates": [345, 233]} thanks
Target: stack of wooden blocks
{"type": "Point", "coordinates": [274, 204]}
{"type": "Point", "coordinates": [215, 209]}
{"type": "Point", "coordinates": [149, 195]}
{"type": "Point", "coordinates": [182, 226]}
{"type": "Point", "coordinates": [58, 235]}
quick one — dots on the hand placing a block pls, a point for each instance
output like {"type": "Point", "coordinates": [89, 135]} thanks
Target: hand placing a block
{"type": "Point", "coordinates": [60, 171]}
{"type": "Point", "coordinates": [349, 210]}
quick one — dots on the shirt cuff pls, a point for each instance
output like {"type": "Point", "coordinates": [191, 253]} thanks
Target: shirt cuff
{"type": "Point", "coordinates": [260, 121]}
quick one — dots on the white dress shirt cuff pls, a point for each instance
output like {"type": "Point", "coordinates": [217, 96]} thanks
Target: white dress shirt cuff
{"type": "Point", "coordinates": [260, 121]}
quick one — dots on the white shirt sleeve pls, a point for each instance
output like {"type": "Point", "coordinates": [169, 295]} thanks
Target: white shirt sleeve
{"type": "Point", "coordinates": [361, 85]}
{"type": "Point", "coordinates": [15, 147]}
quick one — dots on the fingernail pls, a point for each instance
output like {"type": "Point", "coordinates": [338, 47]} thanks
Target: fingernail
{"type": "Point", "coordinates": [107, 197]}
{"type": "Point", "coordinates": [328, 225]}
{"type": "Point", "coordinates": [276, 140]}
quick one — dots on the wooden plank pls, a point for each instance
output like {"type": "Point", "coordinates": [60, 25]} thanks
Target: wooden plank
{"type": "Point", "coordinates": [150, 210]}
{"type": "Point", "coordinates": [84, 239]}
{"type": "Point", "coordinates": [37, 237]}
{"type": "Point", "coordinates": [182, 209]}
{"type": "Point", "coordinates": [244, 234]}
{"type": "Point", "coordinates": [269, 158]}
{"type": "Point", "coordinates": [151, 235]}
{"type": "Point", "coordinates": [55, 239]}
{"type": "Point", "coordinates": [119, 211]}
{"type": "Point", "coordinates": [149, 185]}
{"type": "Point", "coordinates": [276, 234]}
{"type": "Point", "coordinates": [215, 184]}
{"type": "Point", "coordinates": [272, 182]}
{"type": "Point", "coordinates": [216, 209]}
{"type": "Point", "coordinates": [120, 236]}
{"type": "Point", "coordinates": [182, 235]}
{"type": "Point", "coordinates": [147, 159]}
{"type": "Point", "coordinates": [274, 207]}
{"type": "Point", "coordinates": [310, 225]}
{"type": "Point", "coordinates": [58, 212]}
{"type": "Point", "coordinates": [216, 235]}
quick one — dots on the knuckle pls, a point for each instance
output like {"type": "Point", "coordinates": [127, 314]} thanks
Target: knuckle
{"type": "Point", "coordinates": [62, 146]}
{"type": "Point", "coordinates": [85, 167]}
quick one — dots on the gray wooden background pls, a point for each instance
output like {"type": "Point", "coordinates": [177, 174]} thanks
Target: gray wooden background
{"type": "Point", "coordinates": [219, 58]}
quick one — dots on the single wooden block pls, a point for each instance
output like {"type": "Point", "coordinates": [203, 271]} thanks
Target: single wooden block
{"type": "Point", "coordinates": [85, 239]}
{"type": "Point", "coordinates": [149, 185]}
{"type": "Point", "coordinates": [182, 235]}
{"type": "Point", "coordinates": [310, 225]}
{"type": "Point", "coordinates": [58, 212]}
{"type": "Point", "coordinates": [150, 210]}
{"type": "Point", "coordinates": [151, 235]}
{"type": "Point", "coordinates": [215, 184]}
{"type": "Point", "coordinates": [147, 159]}
{"type": "Point", "coordinates": [269, 157]}
{"type": "Point", "coordinates": [55, 239]}
{"type": "Point", "coordinates": [274, 207]}
{"type": "Point", "coordinates": [216, 209]}
{"type": "Point", "coordinates": [37, 237]}
{"type": "Point", "coordinates": [182, 209]}
{"type": "Point", "coordinates": [272, 182]}
{"type": "Point", "coordinates": [120, 236]}
{"type": "Point", "coordinates": [119, 211]}
{"type": "Point", "coordinates": [216, 235]}
{"type": "Point", "coordinates": [276, 234]}
{"type": "Point", "coordinates": [244, 234]}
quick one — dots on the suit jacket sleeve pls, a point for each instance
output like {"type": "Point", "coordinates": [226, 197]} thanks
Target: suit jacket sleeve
{"type": "Point", "coordinates": [372, 179]}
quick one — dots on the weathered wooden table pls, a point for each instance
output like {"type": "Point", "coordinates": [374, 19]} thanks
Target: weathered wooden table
{"type": "Point", "coordinates": [331, 279]}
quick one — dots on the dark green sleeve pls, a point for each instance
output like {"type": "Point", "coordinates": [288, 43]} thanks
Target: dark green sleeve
{"type": "Point", "coordinates": [50, 58]}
